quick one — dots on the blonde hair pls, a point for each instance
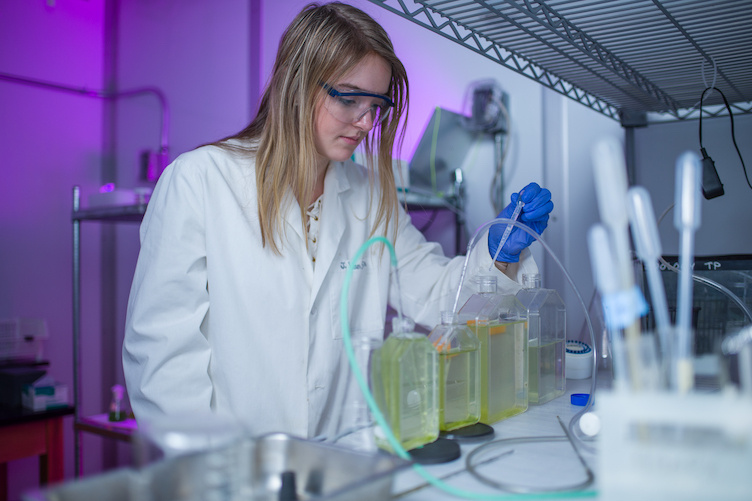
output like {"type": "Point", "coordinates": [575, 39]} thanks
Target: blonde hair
{"type": "Point", "coordinates": [321, 44]}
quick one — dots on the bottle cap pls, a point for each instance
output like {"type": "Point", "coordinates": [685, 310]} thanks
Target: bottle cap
{"type": "Point", "coordinates": [590, 424]}
{"type": "Point", "coordinates": [117, 391]}
{"type": "Point", "coordinates": [580, 399]}
{"type": "Point", "coordinates": [531, 280]}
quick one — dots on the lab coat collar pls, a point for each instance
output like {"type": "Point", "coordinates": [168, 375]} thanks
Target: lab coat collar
{"type": "Point", "coordinates": [336, 185]}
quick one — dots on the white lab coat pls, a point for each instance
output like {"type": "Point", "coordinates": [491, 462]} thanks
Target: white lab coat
{"type": "Point", "coordinates": [218, 323]}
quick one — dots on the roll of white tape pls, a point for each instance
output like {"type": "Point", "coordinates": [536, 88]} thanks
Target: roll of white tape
{"type": "Point", "coordinates": [579, 360]}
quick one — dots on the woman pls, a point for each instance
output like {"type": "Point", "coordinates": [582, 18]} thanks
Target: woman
{"type": "Point", "coordinates": [234, 306]}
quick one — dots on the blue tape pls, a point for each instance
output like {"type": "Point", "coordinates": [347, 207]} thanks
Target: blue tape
{"type": "Point", "coordinates": [622, 308]}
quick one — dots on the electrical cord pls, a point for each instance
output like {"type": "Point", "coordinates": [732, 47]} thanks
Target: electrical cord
{"type": "Point", "coordinates": [472, 466]}
{"type": "Point", "coordinates": [733, 134]}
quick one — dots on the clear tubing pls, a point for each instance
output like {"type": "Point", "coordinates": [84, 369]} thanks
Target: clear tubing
{"type": "Point", "coordinates": [473, 242]}
{"type": "Point", "coordinates": [508, 231]}
{"type": "Point", "coordinates": [703, 280]}
{"type": "Point", "coordinates": [379, 417]}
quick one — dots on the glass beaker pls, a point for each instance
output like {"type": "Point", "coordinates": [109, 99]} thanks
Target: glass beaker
{"type": "Point", "coordinates": [547, 321]}
{"type": "Point", "coordinates": [499, 321]}
{"type": "Point", "coordinates": [355, 425]}
{"type": "Point", "coordinates": [459, 373]}
{"type": "Point", "coordinates": [404, 372]}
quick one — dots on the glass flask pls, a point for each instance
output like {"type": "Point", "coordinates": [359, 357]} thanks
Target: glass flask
{"type": "Point", "coordinates": [499, 321]}
{"type": "Point", "coordinates": [547, 321]}
{"type": "Point", "coordinates": [404, 372]}
{"type": "Point", "coordinates": [459, 373]}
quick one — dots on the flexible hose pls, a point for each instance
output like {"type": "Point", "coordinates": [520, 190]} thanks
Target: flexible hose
{"type": "Point", "coordinates": [379, 416]}
{"type": "Point", "coordinates": [471, 245]}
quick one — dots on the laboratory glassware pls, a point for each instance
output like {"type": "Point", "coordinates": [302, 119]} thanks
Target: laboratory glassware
{"type": "Point", "coordinates": [116, 412]}
{"type": "Point", "coordinates": [546, 320]}
{"type": "Point", "coordinates": [500, 323]}
{"type": "Point", "coordinates": [459, 373]}
{"type": "Point", "coordinates": [404, 375]}
{"type": "Point", "coordinates": [355, 426]}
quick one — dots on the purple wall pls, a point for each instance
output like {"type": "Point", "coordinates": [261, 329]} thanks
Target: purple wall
{"type": "Point", "coordinates": [198, 55]}
{"type": "Point", "coordinates": [50, 141]}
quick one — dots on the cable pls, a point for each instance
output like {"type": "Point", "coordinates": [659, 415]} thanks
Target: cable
{"type": "Point", "coordinates": [733, 134]}
{"type": "Point", "coordinates": [379, 416]}
{"type": "Point", "coordinates": [589, 476]}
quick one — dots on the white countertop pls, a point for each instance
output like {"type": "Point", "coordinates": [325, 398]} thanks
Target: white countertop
{"type": "Point", "coordinates": [536, 464]}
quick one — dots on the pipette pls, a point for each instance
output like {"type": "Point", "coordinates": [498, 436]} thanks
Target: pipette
{"type": "Point", "coordinates": [610, 174]}
{"type": "Point", "coordinates": [686, 221]}
{"type": "Point", "coordinates": [648, 247]}
{"type": "Point", "coordinates": [607, 281]}
{"type": "Point", "coordinates": [508, 231]}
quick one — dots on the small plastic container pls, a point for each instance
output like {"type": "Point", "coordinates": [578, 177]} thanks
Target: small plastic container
{"type": "Point", "coordinates": [499, 321]}
{"type": "Point", "coordinates": [459, 373]}
{"type": "Point", "coordinates": [116, 412]}
{"type": "Point", "coordinates": [404, 375]}
{"type": "Point", "coordinates": [547, 333]}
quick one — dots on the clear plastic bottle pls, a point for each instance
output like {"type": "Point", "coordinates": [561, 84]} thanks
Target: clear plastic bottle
{"type": "Point", "coordinates": [547, 321]}
{"type": "Point", "coordinates": [500, 323]}
{"type": "Point", "coordinates": [404, 375]}
{"type": "Point", "coordinates": [459, 373]}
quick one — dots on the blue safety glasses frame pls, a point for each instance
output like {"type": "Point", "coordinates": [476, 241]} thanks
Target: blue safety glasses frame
{"type": "Point", "coordinates": [350, 110]}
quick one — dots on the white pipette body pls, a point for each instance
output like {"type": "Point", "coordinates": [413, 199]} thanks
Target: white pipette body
{"type": "Point", "coordinates": [508, 231]}
{"type": "Point", "coordinates": [648, 246]}
{"type": "Point", "coordinates": [610, 172]}
{"type": "Point", "coordinates": [686, 221]}
{"type": "Point", "coordinates": [607, 281]}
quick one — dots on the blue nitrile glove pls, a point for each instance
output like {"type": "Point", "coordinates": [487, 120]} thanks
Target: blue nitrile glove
{"type": "Point", "coordinates": [534, 214]}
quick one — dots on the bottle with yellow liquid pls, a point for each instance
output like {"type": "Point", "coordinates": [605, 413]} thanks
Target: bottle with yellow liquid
{"type": "Point", "coordinates": [499, 321]}
{"type": "Point", "coordinates": [547, 321]}
{"type": "Point", "coordinates": [459, 373]}
{"type": "Point", "coordinates": [404, 372]}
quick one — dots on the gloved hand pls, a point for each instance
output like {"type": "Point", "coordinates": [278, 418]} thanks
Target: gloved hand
{"type": "Point", "coordinates": [534, 214]}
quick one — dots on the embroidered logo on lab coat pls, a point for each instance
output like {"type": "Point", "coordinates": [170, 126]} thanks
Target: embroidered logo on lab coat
{"type": "Point", "coordinates": [343, 265]}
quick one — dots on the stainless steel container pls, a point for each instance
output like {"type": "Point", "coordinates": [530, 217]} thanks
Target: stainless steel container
{"type": "Point", "coordinates": [251, 470]}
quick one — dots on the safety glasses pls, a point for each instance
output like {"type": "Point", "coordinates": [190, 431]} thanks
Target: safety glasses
{"type": "Point", "coordinates": [351, 107]}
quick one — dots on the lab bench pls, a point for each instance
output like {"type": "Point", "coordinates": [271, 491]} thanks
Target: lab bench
{"type": "Point", "coordinates": [554, 462]}
{"type": "Point", "coordinates": [25, 433]}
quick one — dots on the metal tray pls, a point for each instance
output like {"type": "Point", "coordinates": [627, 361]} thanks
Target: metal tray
{"type": "Point", "coordinates": [251, 470]}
